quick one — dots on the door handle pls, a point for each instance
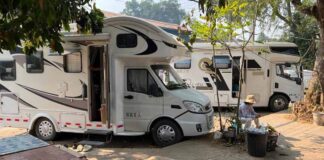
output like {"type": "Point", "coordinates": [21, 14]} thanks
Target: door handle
{"type": "Point", "coordinates": [129, 97]}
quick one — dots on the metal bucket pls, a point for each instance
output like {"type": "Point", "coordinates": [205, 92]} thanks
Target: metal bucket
{"type": "Point", "coordinates": [318, 118]}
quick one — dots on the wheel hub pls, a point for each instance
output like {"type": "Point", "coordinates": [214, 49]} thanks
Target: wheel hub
{"type": "Point", "coordinates": [279, 103]}
{"type": "Point", "coordinates": [45, 128]}
{"type": "Point", "coordinates": [166, 133]}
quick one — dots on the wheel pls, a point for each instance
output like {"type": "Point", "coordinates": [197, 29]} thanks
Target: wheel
{"type": "Point", "coordinates": [44, 129]}
{"type": "Point", "coordinates": [278, 102]}
{"type": "Point", "coordinates": [166, 132]}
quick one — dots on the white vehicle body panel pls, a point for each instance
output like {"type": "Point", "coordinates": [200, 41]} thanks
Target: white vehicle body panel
{"type": "Point", "coordinates": [67, 99]}
{"type": "Point", "coordinates": [260, 75]}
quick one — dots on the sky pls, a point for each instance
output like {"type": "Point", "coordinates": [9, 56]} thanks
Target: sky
{"type": "Point", "coordinates": [118, 5]}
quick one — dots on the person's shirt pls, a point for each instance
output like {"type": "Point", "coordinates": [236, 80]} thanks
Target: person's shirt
{"type": "Point", "coordinates": [246, 112]}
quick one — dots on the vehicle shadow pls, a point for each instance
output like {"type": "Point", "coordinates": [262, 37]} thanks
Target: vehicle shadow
{"type": "Point", "coordinates": [69, 139]}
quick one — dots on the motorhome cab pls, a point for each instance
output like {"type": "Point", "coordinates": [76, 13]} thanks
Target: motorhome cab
{"type": "Point", "coordinates": [271, 72]}
{"type": "Point", "coordinates": [116, 82]}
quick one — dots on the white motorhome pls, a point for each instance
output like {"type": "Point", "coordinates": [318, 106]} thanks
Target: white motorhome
{"type": "Point", "coordinates": [116, 82]}
{"type": "Point", "coordinates": [271, 73]}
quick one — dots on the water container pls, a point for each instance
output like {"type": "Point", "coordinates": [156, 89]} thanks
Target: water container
{"type": "Point", "coordinates": [257, 143]}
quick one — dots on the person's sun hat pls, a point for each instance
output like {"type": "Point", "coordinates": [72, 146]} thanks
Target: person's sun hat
{"type": "Point", "coordinates": [250, 99]}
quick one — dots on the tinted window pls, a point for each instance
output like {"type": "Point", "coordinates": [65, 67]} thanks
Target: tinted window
{"type": "Point", "coordinates": [252, 64]}
{"type": "Point", "coordinates": [53, 53]}
{"type": "Point", "coordinates": [17, 50]}
{"type": "Point", "coordinates": [285, 50]}
{"type": "Point", "coordinates": [73, 62]}
{"type": "Point", "coordinates": [183, 64]}
{"type": "Point", "coordinates": [140, 80]}
{"type": "Point", "coordinates": [8, 70]}
{"type": "Point", "coordinates": [222, 62]}
{"type": "Point", "coordinates": [35, 63]}
{"type": "Point", "coordinates": [126, 40]}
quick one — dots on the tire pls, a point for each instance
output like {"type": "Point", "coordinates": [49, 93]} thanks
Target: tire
{"type": "Point", "coordinates": [278, 102]}
{"type": "Point", "coordinates": [166, 132]}
{"type": "Point", "coordinates": [45, 129]}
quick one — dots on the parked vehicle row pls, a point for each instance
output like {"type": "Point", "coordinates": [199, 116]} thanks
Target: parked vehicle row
{"type": "Point", "coordinates": [120, 82]}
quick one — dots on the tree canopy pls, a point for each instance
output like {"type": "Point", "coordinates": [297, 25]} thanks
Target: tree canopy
{"type": "Point", "coordinates": [35, 23]}
{"type": "Point", "coordinates": [165, 10]}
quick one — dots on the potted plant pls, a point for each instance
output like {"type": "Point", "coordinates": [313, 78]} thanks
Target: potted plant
{"type": "Point", "coordinates": [318, 115]}
{"type": "Point", "coordinates": [272, 138]}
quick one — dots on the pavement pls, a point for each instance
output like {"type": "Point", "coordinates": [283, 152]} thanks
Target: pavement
{"type": "Point", "coordinates": [297, 141]}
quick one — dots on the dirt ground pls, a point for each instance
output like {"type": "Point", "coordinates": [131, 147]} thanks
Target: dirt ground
{"type": "Point", "coordinates": [297, 141]}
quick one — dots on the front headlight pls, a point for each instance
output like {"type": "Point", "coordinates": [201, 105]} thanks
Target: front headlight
{"type": "Point", "coordinates": [193, 106]}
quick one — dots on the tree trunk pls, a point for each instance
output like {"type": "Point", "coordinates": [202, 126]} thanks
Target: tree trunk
{"type": "Point", "coordinates": [318, 74]}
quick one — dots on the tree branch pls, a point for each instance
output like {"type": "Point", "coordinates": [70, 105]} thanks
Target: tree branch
{"type": "Point", "coordinates": [311, 11]}
{"type": "Point", "coordinates": [277, 13]}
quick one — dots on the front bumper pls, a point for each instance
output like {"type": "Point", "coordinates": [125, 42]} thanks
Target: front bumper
{"type": "Point", "coordinates": [193, 124]}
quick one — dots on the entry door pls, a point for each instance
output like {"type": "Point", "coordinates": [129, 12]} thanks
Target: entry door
{"type": "Point", "coordinates": [9, 103]}
{"type": "Point", "coordinates": [141, 101]}
{"type": "Point", "coordinates": [99, 84]}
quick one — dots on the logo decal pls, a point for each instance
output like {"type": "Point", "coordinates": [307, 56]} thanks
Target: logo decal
{"type": "Point", "coordinates": [151, 46]}
{"type": "Point", "coordinates": [206, 65]}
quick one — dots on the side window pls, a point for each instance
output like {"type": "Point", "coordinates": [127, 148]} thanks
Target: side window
{"type": "Point", "coordinates": [73, 62]}
{"type": "Point", "coordinates": [16, 50]}
{"type": "Point", "coordinates": [128, 40]}
{"type": "Point", "coordinates": [35, 63]}
{"type": "Point", "coordinates": [8, 70]}
{"type": "Point", "coordinates": [53, 53]}
{"type": "Point", "coordinates": [251, 63]}
{"type": "Point", "coordinates": [222, 62]}
{"type": "Point", "coordinates": [140, 80]}
{"type": "Point", "coordinates": [183, 64]}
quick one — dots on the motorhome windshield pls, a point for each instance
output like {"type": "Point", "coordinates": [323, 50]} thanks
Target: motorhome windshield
{"type": "Point", "coordinates": [285, 50]}
{"type": "Point", "coordinates": [288, 71]}
{"type": "Point", "coordinates": [169, 77]}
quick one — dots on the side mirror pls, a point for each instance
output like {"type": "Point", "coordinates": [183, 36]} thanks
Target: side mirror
{"type": "Point", "coordinates": [298, 81]}
{"type": "Point", "coordinates": [301, 71]}
{"type": "Point", "coordinates": [84, 91]}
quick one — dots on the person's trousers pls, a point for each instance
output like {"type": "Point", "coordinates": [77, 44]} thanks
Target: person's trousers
{"type": "Point", "coordinates": [248, 122]}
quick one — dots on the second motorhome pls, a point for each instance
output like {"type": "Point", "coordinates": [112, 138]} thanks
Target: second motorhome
{"type": "Point", "coordinates": [117, 82]}
{"type": "Point", "coordinates": [271, 72]}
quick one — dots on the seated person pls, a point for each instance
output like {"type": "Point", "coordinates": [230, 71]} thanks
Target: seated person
{"type": "Point", "coordinates": [247, 113]}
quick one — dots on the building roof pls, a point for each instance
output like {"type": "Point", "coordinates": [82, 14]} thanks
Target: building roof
{"type": "Point", "coordinates": [164, 25]}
